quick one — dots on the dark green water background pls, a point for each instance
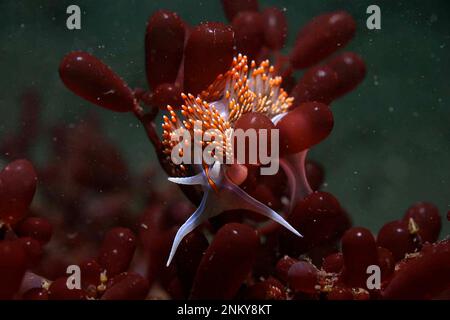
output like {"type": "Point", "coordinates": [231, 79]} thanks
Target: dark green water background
{"type": "Point", "coordinates": [391, 143]}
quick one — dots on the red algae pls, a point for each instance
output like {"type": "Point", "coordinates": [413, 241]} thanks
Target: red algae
{"type": "Point", "coordinates": [94, 212]}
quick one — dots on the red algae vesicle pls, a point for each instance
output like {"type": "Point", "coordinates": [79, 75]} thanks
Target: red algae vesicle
{"type": "Point", "coordinates": [304, 127]}
{"type": "Point", "coordinates": [219, 230]}
{"type": "Point", "coordinates": [233, 7]}
{"type": "Point", "coordinates": [209, 51]}
{"type": "Point", "coordinates": [117, 250]}
{"type": "Point", "coordinates": [396, 237]}
{"type": "Point", "coordinates": [322, 36]}
{"type": "Point", "coordinates": [163, 57]}
{"type": "Point", "coordinates": [359, 251]}
{"type": "Point", "coordinates": [275, 28]}
{"type": "Point", "coordinates": [17, 187]}
{"type": "Point", "coordinates": [248, 32]}
{"type": "Point", "coordinates": [226, 262]}
{"type": "Point", "coordinates": [317, 84]}
{"type": "Point", "coordinates": [350, 71]}
{"type": "Point", "coordinates": [93, 80]}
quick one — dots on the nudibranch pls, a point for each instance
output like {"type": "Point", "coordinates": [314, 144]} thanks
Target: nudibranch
{"type": "Point", "coordinates": [244, 88]}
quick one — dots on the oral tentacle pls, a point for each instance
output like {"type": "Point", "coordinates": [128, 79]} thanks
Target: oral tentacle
{"type": "Point", "coordinates": [196, 219]}
{"type": "Point", "coordinates": [208, 205]}
{"type": "Point", "coordinates": [198, 179]}
{"type": "Point", "coordinates": [252, 204]}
